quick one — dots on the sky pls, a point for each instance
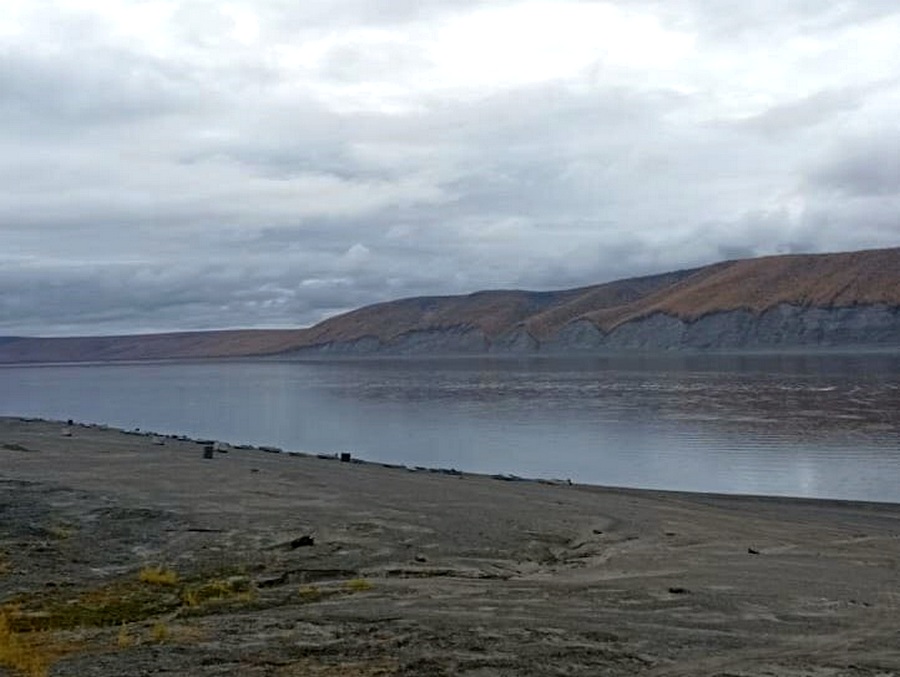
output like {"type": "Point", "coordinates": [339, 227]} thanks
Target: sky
{"type": "Point", "coordinates": [204, 164]}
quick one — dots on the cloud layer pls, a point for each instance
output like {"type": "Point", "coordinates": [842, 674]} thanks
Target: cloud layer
{"type": "Point", "coordinates": [255, 163]}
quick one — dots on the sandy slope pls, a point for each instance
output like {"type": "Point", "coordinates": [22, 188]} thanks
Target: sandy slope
{"type": "Point", "coordinates": [423, 573]}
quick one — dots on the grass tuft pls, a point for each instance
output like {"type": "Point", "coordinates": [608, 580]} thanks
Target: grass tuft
{"type": "Point", "coordinates": [160, 632]}
{"type": "Point", "coordinates": [158, 576]}
{"type": "Point", "coordinates": [21, 654]}
{"type": "Point", "coordinates": [17, 654]}
{"type": "Point", "coordinates": [124, 638]}
{"type": "Point", "coordinates": [309, 593]}
{"type": "Point", "coordinates": [236, 588]}
{"type": "Point", "coordinates": [358, 585]}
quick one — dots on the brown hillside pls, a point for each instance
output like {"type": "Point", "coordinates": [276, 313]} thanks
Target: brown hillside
{"type": "Point", "coordinates": [187, 345]}
{"type": "Point", "coordinates": [493, 312]}
{"type": "Point", "coordinates": [822, 280]}
{"type": "Point", "coordinates": [605, 296]}
{"type": "Point", "coordinates": [827, 280]}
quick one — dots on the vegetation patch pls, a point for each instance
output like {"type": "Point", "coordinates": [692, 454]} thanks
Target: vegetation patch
{"type": "Point", "coordinates": [29, 654]}
{"type": "Point", "coordinates": [310, 593]}
{"type": "Point", "coordinates": [60, 532]}
{"type": "Point", "coordinates": [160, 632]}
{"type": "Point", "coordinates": [124, 638]}
{"type": "Point", "coordinates": [156, 593]}
{"type": "Point", "coordinates": [109, 605]}
{"type": "Point", "coordinates": [158, 576]}
{"type": "Point", "coordinates": [139, 606]}
{"type": "Point", "coordinates": [358, 585]}
{"type": "Point", "coordinates": [199, 593]}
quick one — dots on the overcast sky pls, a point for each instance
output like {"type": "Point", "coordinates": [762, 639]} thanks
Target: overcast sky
{"type": "Point", "coordinates": [265, 163]}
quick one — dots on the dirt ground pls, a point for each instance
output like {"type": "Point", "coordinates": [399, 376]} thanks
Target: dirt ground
{"type": "Point", "coordinates": [132, 554]}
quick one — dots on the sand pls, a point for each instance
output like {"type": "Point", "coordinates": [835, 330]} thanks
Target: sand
{"type": "Point", "coordinates": [299, 565]}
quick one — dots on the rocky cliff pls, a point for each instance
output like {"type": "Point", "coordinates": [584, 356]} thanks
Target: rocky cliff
{"type": "Point", "coordinates": [831, 300]}
{"type": "Point", "coordinates": [783, 326]}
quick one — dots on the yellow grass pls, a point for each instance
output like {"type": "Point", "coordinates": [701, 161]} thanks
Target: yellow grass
{"type": "Point", "coordinates": [124, 638]}
{"type": "Point", "coordinates": [309, 593]}
{"type": "Point", "coordinates": [19, 652]}
{"type": "Point", "coordinates": [158, 576]}
{"type": "Point", "coordinates": [358, 585]}
{"type": "Point", "coordinates": [160, 632]}
{"type": "Point", "coordinates": [217, 589]}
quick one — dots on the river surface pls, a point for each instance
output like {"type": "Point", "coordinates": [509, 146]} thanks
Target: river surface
{"type": "Point", "coordinates": [799, 425]}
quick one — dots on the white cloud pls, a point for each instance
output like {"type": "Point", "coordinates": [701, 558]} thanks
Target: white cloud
{"type": "Point", "coordinates": [520, 44]}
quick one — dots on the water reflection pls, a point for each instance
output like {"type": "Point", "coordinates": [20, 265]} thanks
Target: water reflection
{"type": "Point", "coordinates": [792, 395]}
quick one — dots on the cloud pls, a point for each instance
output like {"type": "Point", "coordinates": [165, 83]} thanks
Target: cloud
{"type": "Point", "coordinates": [795, 117]}
{"type": "Point", "coordinates": [186, 165]}
{"type": "Point", "coordinates": [863, 167]}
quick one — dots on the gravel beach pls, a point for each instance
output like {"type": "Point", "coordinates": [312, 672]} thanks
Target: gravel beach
{"type": "Point", "coordinates": [128, 553]}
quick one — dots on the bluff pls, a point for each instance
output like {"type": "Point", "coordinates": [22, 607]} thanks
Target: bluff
{"type": "Point", "coordinates": [842, 300]}
{"type": "Point", "coordinates": [792, 301]}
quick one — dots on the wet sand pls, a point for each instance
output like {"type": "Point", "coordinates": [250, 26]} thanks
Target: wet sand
{"type": "Point", "coordinates": [299, 565]}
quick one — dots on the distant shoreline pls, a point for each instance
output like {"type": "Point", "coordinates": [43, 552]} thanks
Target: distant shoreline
{"type": "Point", "coordinates": [538, 356]}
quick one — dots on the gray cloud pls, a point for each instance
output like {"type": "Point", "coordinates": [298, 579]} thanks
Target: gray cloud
{"type": "Point", "coordinates": [267, 163]}
{"type": "Point", "coordinates": [868, 166]}
{"type": "Point", "coordinates": [785, 119]}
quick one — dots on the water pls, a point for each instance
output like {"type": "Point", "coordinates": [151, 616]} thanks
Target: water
{"type": "Point", "coordinates": [800, 425]}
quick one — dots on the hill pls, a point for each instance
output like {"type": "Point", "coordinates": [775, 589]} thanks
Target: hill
{"type": "Point", "coordinates": [845, 299]}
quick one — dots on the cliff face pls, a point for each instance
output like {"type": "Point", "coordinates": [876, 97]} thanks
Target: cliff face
{"type": "Point", "coordinates": [829, 300]}
{"type": "Point", "coordinates": [784, 326]}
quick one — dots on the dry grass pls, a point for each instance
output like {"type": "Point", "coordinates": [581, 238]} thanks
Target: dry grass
{"type": "Point", "coordinates": [19, 654]}
{"type": "Point", "coordinates": [124, 638]}
{"type": "Point", "coordinates": [31, 629]}
{"type": "Point", "coordinates": [358, 585]}
{"type": "Point", "coordinates": [310, 593]}
{"type": "Point", "coordinates": [158, 576]}
{"type": "Point", "coordinates": [29, 654]}
{"type": "Point", "coordinates": [160, 632]}
{"type": "Point", "coordinates": [109, 605]}
{"type": "Point", "coordinates": [199, 593]}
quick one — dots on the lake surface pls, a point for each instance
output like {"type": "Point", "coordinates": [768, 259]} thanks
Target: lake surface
{"type": "Point", "coordinates": [802, 425]}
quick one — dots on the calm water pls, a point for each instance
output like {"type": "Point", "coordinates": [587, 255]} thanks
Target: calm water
{"type": "Point", "coordinates": [825, 426]}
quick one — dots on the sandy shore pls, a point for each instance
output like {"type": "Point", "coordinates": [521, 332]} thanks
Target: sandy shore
{"type": "Point", "coordinates": [259, 563]}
